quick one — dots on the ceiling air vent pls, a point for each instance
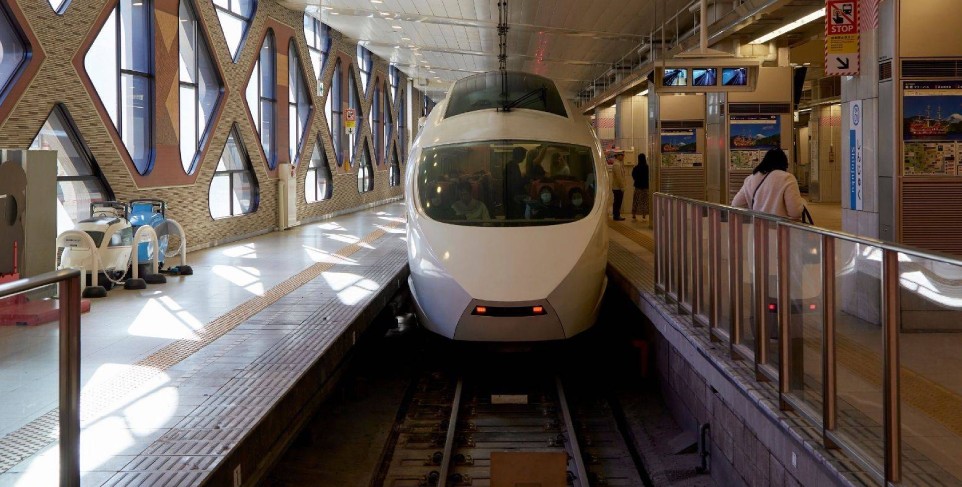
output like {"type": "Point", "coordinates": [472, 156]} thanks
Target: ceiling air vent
{"type": "Point", "coordinates": [932, 68]}
{"type": "Point", "coordinates": [682, 124]}
{"type": "Point", "coordinates": [885, 70]}
{"type": "Point", "coordinates": [753, 108]}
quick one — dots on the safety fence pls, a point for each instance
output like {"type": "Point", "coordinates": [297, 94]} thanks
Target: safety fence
{"type": "Point", "coordinates": [861, 338]}
{"type": "Point", "coordinates": [62, 380]}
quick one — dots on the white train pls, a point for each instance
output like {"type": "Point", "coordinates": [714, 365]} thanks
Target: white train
{"type": "Point", "coordinates": [502, 250]}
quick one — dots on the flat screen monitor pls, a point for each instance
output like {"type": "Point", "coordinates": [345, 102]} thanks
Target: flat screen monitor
{"type": "Point", "coordinates": [675, 77]}
{"type": "Point", "coordinates": [735, 76]}
{"type": "Point", "coordinates": [704, 77]}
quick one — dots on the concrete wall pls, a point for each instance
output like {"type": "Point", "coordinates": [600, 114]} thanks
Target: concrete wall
{"type": "Point", "coordinates": [53, 76]}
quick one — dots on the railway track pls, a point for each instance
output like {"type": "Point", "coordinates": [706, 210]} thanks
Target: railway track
{"type": "Point", "coordinates": [450, 424]}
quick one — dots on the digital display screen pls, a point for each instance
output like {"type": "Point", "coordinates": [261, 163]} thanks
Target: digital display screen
{"type": "Point", "coordinates": [735, 76]}
{"type": "Point", "coordinates": [704, 76]}
{"type": "Point", "coordinates": [675, 77]}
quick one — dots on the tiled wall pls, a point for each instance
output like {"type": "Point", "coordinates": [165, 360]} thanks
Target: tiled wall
{"type": "Point", "coordinates": [54, 75]}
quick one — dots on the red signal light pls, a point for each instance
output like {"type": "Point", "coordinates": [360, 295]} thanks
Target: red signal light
{"type": "Point", "coordinates": [538, 310]}
{"type": "Point", "coordinates": [480, 310]}
{"type": "Point", "coordinates": [771, 307]}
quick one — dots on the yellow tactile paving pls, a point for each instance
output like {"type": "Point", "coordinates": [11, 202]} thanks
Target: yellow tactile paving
{"type": "Point", "coordinates": [640, 238]}
{"type": "Point", "coordinates": [101, 398]}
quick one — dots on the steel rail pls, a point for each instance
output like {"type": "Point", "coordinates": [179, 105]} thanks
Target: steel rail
{"type": "Point", "coordinates": [580, 469]}
{"type": "Point", "coordinates": [449, 439]}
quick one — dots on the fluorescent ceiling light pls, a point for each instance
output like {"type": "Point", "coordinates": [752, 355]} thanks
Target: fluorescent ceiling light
{"type": "Point", "coordinates": [820, 13]}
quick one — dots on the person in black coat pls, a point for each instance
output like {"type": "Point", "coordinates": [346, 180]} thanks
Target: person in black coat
{"type": "Point", "coordinates": [639, 203]}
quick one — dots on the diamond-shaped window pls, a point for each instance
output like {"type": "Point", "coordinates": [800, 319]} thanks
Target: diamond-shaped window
{"type": "Point", "coordinates": [119, 64]}
{"type": "Point", "coordinates": [13, 51]}
{"type": "Point", "coordinates": [200, 87]}
{"type": "Point", "coordinates": [319, 184]}
{"type": "Point", "coordinates": [365, 172]}
{"type": "Point", "coordinates": [233, 190]}
{"type": "Point", "coordinates": [79, 181]}
{"type": "Point", "coordinates": [59, 6]}
{"type": "Point", "coordinates": [262, 98]}
{"type": "Point", "coordinates": [235, 17]}
{"type": "Point", "coordinates": [300, 105]}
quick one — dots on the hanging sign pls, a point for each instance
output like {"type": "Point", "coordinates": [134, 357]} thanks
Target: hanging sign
{"type": "Point", "coordinates": [855, 155]}
{"type": "Point", "coordinates": [350, 120]}
{"type": "Point", "coordinates": [841, 37]}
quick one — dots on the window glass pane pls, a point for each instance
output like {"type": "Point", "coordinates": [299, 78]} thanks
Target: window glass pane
{"type": "Point", "coordinates": [101, 65]}
{"type": "Point", "coordinates": [135, 35]}
{"type": "Point", "coordinates": [209, 88]}
{"type": "Point", "coordinates": [253, 102]}
{"type": "Point", "coordinates": [267, 67]}
{"type": "Point", "coordinates": [222, 3]}
{"type": "Point", "coordinates": [188, 47]}
{"type": "Point", "coordinates": [57, 5]}
{"type": "Point", "coordinates": [244, 7]}
{"type": "Point", "coordinates": [188, 126]}
{"type": "Point", "coordinates": [12, 51]}
{"type": "Point", "coordinates": [135, 119]}
{"type": "Point", "coordinates": [243, 193]}
{"type": "Point", "coordinates": [506, 183]}
{"type": "Point", "coordinates": [267, 131]}
{"type": "Point", "coordinates": [233, 30]}
{"type": "Point", "coordinates": [232, 160]}
{"type": "Point", "coordinates": [220, 196]}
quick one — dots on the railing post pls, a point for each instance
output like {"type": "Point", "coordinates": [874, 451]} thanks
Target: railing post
{"type": "Point", "coordinates": [829, 371]}
{"type": "Point", "coordinates": [714, 258]}
{"type": "Point", "coordinates": [696, 266]}
{"type": "Point", "coordinates": [676, 251]}
{"type": "Point", "coordinates": [659, 248]}
{"type": "Point", "coordinates": [69, 301]}
{"type": "Point", "coordinates": [890, 323]}
{"type": "Point", "coordinates": [684, 255]}
{"type": "Point", "coordinates": [760, 233]}
{"type": "Point", "coordinates": [736, 281]}
{"type": "Point", "coordinates": [784, 315]}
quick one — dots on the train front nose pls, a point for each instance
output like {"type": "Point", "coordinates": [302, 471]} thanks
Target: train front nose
{"type": "Point", "coordinates": [525, 321]}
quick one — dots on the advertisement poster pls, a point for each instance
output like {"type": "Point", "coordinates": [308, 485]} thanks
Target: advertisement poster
{"type": "Point", "coordinates": [755, 132]}
{"type": "Point", "coordinates": [745, 160]}
{"type": "Point", "coordinates": [680, 141]}
{"type": "Point", "coordinates": [677, 159]}
{"type": "Point", "coordinates": [931, 127]}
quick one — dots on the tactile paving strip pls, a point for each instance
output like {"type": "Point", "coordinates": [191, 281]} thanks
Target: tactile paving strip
{"type": "Point", "coordinates": [97, 400]}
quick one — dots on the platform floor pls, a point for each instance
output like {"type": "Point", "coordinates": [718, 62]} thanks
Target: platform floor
{"type": "Point", "coordinates": [153, 358]}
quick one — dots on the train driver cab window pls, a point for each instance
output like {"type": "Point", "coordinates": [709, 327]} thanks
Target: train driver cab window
{"type": "Point", "coordinates": [506, 183]}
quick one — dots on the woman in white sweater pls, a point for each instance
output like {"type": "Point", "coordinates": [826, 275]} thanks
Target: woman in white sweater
{"type": "Point", "coordinates": [771, 189]}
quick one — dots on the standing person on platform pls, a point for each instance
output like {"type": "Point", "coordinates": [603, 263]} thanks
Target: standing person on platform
{"type": "Point", "coordinates": [771, 188]}
{"type": "Point", "coordinates": [639, 202]}
{"type": "Point", "coordinates": [617, 182]}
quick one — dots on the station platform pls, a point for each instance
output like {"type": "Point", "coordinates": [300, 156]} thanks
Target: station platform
{"type": "Point", "coordinates": [755, 439]}
{"type": "Point", "coordinates": [189, 382]}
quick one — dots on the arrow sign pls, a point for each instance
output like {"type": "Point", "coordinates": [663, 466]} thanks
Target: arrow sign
{"type": "Point", "coordinates": [842, 63]}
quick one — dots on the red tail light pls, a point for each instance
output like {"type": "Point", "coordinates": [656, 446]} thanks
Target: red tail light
{"type": "Point", "coordinates": [538, 310]}
{"type": "Point", "coordinates": [480, 310]}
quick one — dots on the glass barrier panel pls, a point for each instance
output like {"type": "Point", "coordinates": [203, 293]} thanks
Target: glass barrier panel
{"type": "Point", "coordinates": [805, 327]}
{"type": "Point", "coordinates": [724, 276]}
{"type": "Point", "coordinates": [770, 324]}
{"type": "Point", "coordinates": [930, 358]}
{"type": "Point", "coordinates": [30, 384]}
{"type": "Point", "coordinates": [703, 266]}
{"type": "Point", "coordinates": [859, 349]}
{"type": "Point", "coordinates": [747, 322]}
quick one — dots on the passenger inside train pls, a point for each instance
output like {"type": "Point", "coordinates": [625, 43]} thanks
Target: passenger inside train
{"type": "Point", "coordinates": [506, 183]}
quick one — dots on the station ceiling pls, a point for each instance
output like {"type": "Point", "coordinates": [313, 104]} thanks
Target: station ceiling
{"type": "Point", "coordinates": [570, 41]}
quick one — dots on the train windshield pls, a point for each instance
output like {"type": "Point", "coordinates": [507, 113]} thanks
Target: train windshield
{"type": "Point", "coordinates": [484, 91]}
{"type": "Point", "coordinates": [506, 183]}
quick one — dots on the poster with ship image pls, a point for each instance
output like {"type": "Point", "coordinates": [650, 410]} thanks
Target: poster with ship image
{"type": "Point", "coordinates": [678, 140]}
{"type": "Point", "coordinates": [754, 132]}
{"type": "Point", "coordinates": [931, 127]}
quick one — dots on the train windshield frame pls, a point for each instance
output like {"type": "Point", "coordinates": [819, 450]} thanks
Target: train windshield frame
{"type": "Point", "coordinates": [506, 183]}
{"type": "Point", "coordinates": [483, 91]}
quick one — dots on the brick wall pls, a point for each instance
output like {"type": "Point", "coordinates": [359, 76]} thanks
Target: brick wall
{"type": "Point", "coordinates": [58, 47]}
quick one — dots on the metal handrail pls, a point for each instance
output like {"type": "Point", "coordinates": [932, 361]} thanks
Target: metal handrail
{"type": "Point", "coordinates": [679, 260]}
{"type": "Point", "coordinates": [68, 281]}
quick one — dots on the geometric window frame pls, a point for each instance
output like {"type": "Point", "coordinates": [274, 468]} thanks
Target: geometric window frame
{"type": "Point", "coordinates": [387, 122]}
{"type": "Point", "coordinates": [365, 63]}
{"type": "Point", "coordinates": [334, 112]}
{"type": "Point", "coordinates": [199, 89]}
{"type": "Point", "coordinates": [231, 175]}
{"type": "Point", "coordinates": [125, 88]}
{"type": "Point", "coordinates": [319, 41]}
{"type": "Point", "coordinates": [24, 44]}
{"type": "Point", "coordinates": [234, 11]}
{"type": "Point", "coordinates": [300, 104]}
{"type": "Point", "coordinates": [354, 101]}
{"type": "Point", "coordinates": [59, 6]}
{"type": "Point", "coordinates": [376, 122]}
{"type": "Point", "coordinates": [394, 170]}
{"type": "Point", "coordinates": [86, 172]}
{"type": "Point", "coordinates": [261, 97]}
{"type": "Point", "coordinates": [319, 184]}
{"type": "Point", "coordinates": [365, 170]}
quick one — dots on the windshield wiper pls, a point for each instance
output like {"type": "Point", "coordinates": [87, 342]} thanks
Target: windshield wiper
{"type": "Point", "coordinates": [541, 93]}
